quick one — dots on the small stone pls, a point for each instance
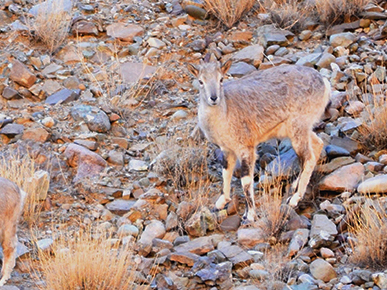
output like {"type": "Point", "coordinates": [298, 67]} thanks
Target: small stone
{"type": "Point", "coordinates": [138, 165]}
{"type": "Point", "coordinates": [124, 32]}
{"type": "Point", "coordinates": [380, 279]}
{"type": "Point", "coordinates": [154, 230]}
{"type": "Point", "coordinates": [322, 270]}
{"type": "Point", "coordinates": [120, 206]}
{"type": "Point", "coordinates": [344, 39]}
{"type": "Point", "coordinates": [197, 246]}
{"type": "Point", "coordinates": [326, 253]}
{"type": "Point", "coordinates": [36, 134]}
{"type": "Point", "coordinates": [12, 129]}
{"type": "Point", "coordinates": [21, 74]}
{"type": "Point", "coordinates": [260, 275]}
{"type": "Point", "coordinates": [298, 241]}
{"type": "Point", "coordinates": [127, 230]}
{"type": "Point", "coordinates": [377, 184]}
{"type": "Point", "coordinates": [345, 178]}
{"type": "Point", "coordinates": [250, 237]}
{"type": "Point", "coordinates": [45, 244]}
{"type": "Point", "coordinates": [184, 258]}
{"type": "Point", "coordinates": [63, 96]}
{"type": "Point", "coordinates": [87, 162]}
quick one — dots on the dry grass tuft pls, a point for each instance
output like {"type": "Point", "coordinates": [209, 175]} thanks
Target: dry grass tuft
{"type": "Point", "coordinates": [338, 11]}
{"type": "Point", "coordinates": [373, 133]}
{"type": "Point", "coordinates": [288, 14]}
{"type": "Point", "coordinates": [275, 263]}
{"type": "Point", "coordinates": [21, 169]}
{"type": "Point", "coordinates": [272, 216]}
{"type": "Point", "coordinates": [229, 11]}
{"type": "Point", "coordinates": [51, 24]}
{"type": "Point", "coordinates": [87, 261]}
{"type": "Point", "coordinates": [369, 246]}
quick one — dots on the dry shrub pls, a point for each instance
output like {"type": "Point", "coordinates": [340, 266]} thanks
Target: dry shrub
{"type": "Point", "coordinates": [338, 11]}
{"type": "Point", "coordinates": [369, 229]}
{"type": "Point", "coordinates": [272, 216]}
{"type": "Point", "coordinates": [21, 169]}
{"type": "Point", "coordinates": [275, 263]}
{"type": "Point", "coordinates": [373, 133]}
{"type": "Point", "coordinates": [87, 261]}
{"type": "Point", "coordinates": [288, 14]}
{"type": "Point", "coordinates": [183, 163]}
{"type": "Point", "coordinates": [229, 11]}
{"type": "Point", "coordinates": [51, 24]}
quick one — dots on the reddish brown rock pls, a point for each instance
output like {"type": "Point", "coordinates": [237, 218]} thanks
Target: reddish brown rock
{"type": "Point", "coordinates": [184, 258]}
{"type": "Point", "coordinates": [132, 72]}
{"type": "Point", "coordinates": [124, 32]}
{"type": "Point", "coordinates": [21, 74]}
{"type": "Point", "coordinates": [87, 162]}
{"type": "Point", "coordinates": [36, 134]}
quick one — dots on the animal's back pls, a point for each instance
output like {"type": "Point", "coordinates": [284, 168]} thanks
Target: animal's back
{"type": "Point", "coordinates": [267, 98]}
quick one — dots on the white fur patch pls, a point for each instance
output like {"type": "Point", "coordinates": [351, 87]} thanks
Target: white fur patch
{"type": "Point", "coordinates": [250, 215]}
{"type": "Point", "coordinates": [294, 200]}
{"type": "Point", "coordinates": [245, 180]}
{"type": "Point", "coordinates": [221, 202]}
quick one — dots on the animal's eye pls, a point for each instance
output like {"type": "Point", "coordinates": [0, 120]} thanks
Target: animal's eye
{"type": "Point", "coordinates": [201, 82]}
{"type": "Point", "coordinates": [221, 80]}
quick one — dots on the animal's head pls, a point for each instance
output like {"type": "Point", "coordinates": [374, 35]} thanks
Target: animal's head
{"type": "Point", "coordinates": [210, 76]}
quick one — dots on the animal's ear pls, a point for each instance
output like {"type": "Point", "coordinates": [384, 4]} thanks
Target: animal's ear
{"type": "Point", "coordinates": [193, 69]}
{"type": "Point", "coordinates": [226, 66]}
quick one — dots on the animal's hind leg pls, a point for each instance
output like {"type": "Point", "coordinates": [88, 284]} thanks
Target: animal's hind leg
{"type": "Point", "coordinates": [247, 179]}
{"type": "Point", "coordinates": [308, 150]}
{"type": "Point", "coordinates": [9, 253]}
{"type": "Point", "coordinates": [229, 160]}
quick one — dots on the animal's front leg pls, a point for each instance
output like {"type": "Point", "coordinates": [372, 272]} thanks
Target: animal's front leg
{"type": "Point", "coordinates": [247, 180]}
{"type": "Point", "coordinates": [228, 164]}
{"type": "Point", "coordinates": [9, 251]}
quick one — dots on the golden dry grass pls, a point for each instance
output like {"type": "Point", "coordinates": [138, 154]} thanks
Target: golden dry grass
{"type": "Point", "coordinates": [87, 261]}
{"type": "Point", "coordinates": [21, 169]}
{"type": "Point", "coordinates": [338, 11]}
{"type": "Point", "coordinates": [272, 217]}
{"type": "Point", "coordinates": [183, 162]}
{"type": "Point", "coordinates": [369, 229]}
{"type": "Point", "coordinates": [290, 14]}
{"type": "Point", "coordinates": [274, 263]}
{"type": "Point", "coordinates": [229, 11]}
{"type": "Point", "coordinates": [373, 133]}
{"type": "Point", "coordinates": [51, 24]}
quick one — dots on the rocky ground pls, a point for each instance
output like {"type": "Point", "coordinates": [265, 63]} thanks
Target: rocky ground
{"type": "Point", "coordinates": [108, 116]}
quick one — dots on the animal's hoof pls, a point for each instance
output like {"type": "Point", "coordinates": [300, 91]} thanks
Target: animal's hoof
{"type": "Point", "coordinates": [292, 201]}
{"type": "Point", "coordinates": [246, 223]}
{"type": "Point", "coordinates": [215, 209]}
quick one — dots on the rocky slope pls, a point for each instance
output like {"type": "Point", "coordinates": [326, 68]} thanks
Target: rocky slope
{"type": "Point", "coordinates": [109, 114]}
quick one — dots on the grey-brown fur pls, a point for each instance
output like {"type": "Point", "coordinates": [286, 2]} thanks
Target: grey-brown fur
{"type": "Point", "coordinates": [284, 101]}
{"type": "Point", "coordinates": [11, 205]}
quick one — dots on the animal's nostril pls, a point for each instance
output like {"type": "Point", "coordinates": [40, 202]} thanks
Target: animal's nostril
{"type": "Point", "coordinates": [213, 98]}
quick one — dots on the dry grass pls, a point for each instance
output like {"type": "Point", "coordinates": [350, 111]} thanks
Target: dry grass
{"type": "Point", "coordinates": [369, 229]}
{"type": "Point", "coordinates": [87, 261]}
{"type": "Point", "coordinates": [373, 133]}
{"type": "Point", "coordinates": [21, 169]}
{"type": "Point", "coordinates": [338, 11]}
{"type": "Point", "coordinates": [51, 24]}
{"type": "Point", "coordinates": [184, 163]}
{"type": "Point", "coordinates": [292, 14]}
{"type": "Point", "coordinates": [229, 11]}
{"type": "Point", "coordinates": [272, 216]}
{"type": "Point", "coordinates": [287, 14]}
{"type": "Point", "coordinates": [274, 263]}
